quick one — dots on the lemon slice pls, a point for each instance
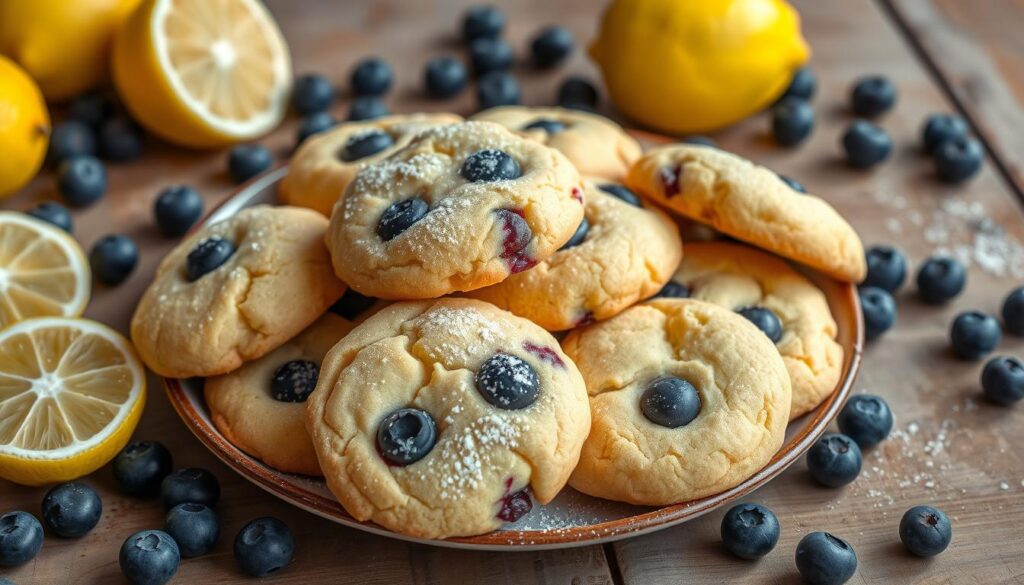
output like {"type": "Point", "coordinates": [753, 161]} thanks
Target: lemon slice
{"type": "Point", "coordinates": [43, 271]}
{"type": "Point", "coordinates": [203, 73]}
{"type": "Point", "coordinates": [71, 393]}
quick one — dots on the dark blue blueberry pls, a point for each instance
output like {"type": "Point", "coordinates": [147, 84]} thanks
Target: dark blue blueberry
{"type": "Point", "coordinates": [245, 161]}
{"type": "Point", "coordinates": [546, 124]}
{"type": "Point", "coordinates": [765, 320]}
{"type": "Point", "coordinates": [365, 144]}
{"type": "Point", "coordinates": [294, 381]}
{"type": "Point", "coordinates": [866, 419]}
{"type": "Point", "coordinates": [974, 334]}
{"type": "Point", "coordinates": [367, 107]}
{"type": "Point", "coordinates": [52, 213]}
{"type": "Point", "coordinates": [802, 85]}
{"type": "Point", "coordinates": [957, 159]}
{"type": "Point", "coordinates": [71, 509]}
{"type": "Point", "coordinates": [925, 531]}
{"type": "Point", "coordinates": [312, 93]}
{"type": "Point", "coordinates": [69, 139]}
{"type": "Point", "coordinates": [21, 537]}
{"type": "Point", "coordinates": [372, 77]}
{"type": "Point", "coordinates": [81, 180]}
{"type": "Point", "coordinates": [939, 128]}
{"type": "Point", "coordinates": [400, 216]}
{"type": "Point", "coordinates": [6, 581]}
{"type": "Point", "coordinates": [834, 460]}
{"type": "Point", "coordinates": [940, 279]}
{"type": "Point", "coordinates": [149, 557]}
{"type": "Point", "coordinates": [699, 140]}
{"type": "Point", "coordinates": [550, 46]}
{"type": "Point", "coordinates": [207, 256]}
{"type": "Point", "coordinates": [872, 95]}
{"type": "Point", "coordinates": [577, 91]}
{"type": "Point", "coordinates": [1002, 380]}
{"type": "Point", "coordinates": [314, 123]}
{"type": "Point", "coordinates": [879, 310]}
{"type": "Point", "coordinates": [352, 304]}
{"type": "Point", "coordinates": [190, 485]}
{"type": "Point", "coordinates": [865, 144]}
{"type": "Point", "coordinates": [750, 531]}
{"type": "Point", "coordinates": [578, 236]}
{"type": "Point", "coordinates": [793, 184]}
{"type": "Point", "coordinates": [792, 121]}
{"type": "Point", "coordinates": [507, 382]}
{"type": "Point", "coordinates": [113, 259]}
{"type": "Point", "coordinates": [487, 55]}
{"type": "Point", "coordinates": [264, 546]}
{"type": "Point", "coordinates": [194, 527]}
{"type": "Point", "coordinates": [141, 466]}
{"type": "Point", "coordinates": [120, 139]}
{"type": "Point", "coordinates": [176, 209]}
{"type": "Point", "coordinates": [670, 402]}
{"type": "Point", "coordinates": [93, 108]}
{"type": "Point", "coordinates": [673, 290]}
{"type": "Point", "coordinates": [497, 88]}
{"type": "Point", "coordinates": [824, 559]}
{"type": "Point", "coordinates": [406, 435]}
{"type": "Point", "coordinates": [1013, 312]}
{"type": "Point", "coordinates": [489, 165]}
{"type": "Point", "coordinates": [482, 22]}
{"type": "Point", "coordinates": [445, 77]}
{"type": "Point", "coordinates": [621, 192]}
{"type": "Point", "coordinates": [887, 268]}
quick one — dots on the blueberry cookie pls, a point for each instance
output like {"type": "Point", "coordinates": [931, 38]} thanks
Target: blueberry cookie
{"type": "Point", "coordinates": [750, 203]}
{"type": "Point", "coordinates": [596, 145]}
{"type": "Point", "coordinates": [780, 301]}
{"type": "Point", "coordinates": [235, 291]}
{"type": "Point", "coordinates": [446, 418]}
{"type": "Point", "coordinates": [460, 207]}
{"type": "Point", "coordinates": [688, 399]}
{"type": "Point", "coordinates": [620, 254]}
{"type": "Point", "coordinates": [326, 163]}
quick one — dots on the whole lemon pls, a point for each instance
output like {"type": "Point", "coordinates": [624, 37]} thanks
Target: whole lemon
{"type": "Point", "coordinates": [684, 66]}
{"type": "Point", "coordinates": [24, 128]}
{"type": "Point", "coordinates": [63, 44]}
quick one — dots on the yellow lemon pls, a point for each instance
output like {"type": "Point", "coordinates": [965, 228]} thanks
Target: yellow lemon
{"type": "Point", "coordinates": [691, 66]}
{"type": "Point", "coordinates": [203, 73]}
{"type": "Point", "coordinates": [63, 44]}
{"type": "Point", "coordinates": [71, 393]}
{"type": "Point", "coordinates": [24, 128]}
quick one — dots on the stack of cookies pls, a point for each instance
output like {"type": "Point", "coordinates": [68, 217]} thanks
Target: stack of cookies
{"type": "Point", "coordinates": [393, 328]}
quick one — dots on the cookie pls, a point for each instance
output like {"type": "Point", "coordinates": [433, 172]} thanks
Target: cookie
{"type": "Point", "coordinates": [444, 418]}
{"type": "Point", "coordinates": [620, 254]}
{"type": "Point", "coordinates": [460, 207]}
{"type": "Point", "coordinates": [596, 145]}
{"type": "Point", "coordinates": [234, 291]}
{"type": "Point", "coordinates": [326, 163]}
{"type": "Point", "coordinates": [688, 399]}
{"type": "Point", "coordinates": [750, 203]}
{"type": "Point", "coordinates": [749, 281]}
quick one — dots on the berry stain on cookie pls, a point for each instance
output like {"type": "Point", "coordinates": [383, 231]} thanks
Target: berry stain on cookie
{"type": "Point", "coordinates": [670, 178]}
{"type": "Point", "coordinates": [577, 194]}
{"type": "Point", "coordinates": [514, 505]}
{"type": "Point", "coordinates": [544, 354]}
{"type": "Point", "coordinates": [517, 237]}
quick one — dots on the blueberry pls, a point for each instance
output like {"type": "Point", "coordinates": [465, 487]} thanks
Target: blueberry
{"type": "Point", "coordinates": [925, 531]}
{"type": "Point", "coordinates": [314, 123]}
{"type": "Point", "coordinates": [120, 139]}
{"type": "Point", "coordinates": [974, 334]}
{"type": "Point", "coordinates": [750, 531]}
{"type": "Point", "coordinates": [517, 233]}
{"type": "Point", "coordinates": [941, 127]}
{"type": "Point", "coordinates": [69, 139]}
{"type": "Point", "coordinates": [824, 559]}
{"type": "Point", "coordinates": [208, 255]}
{"type": "Point", "coordinates": [865, 144]}
{"type": "Point", "coordinates": [957, 159]}
{"type": "Point", "coordinates": [866, 419]}
{"type": "Point", "coordinates": [547, 125]}
{"type": "Point", "coordinates": [406, 435]}
{"type": "Point", "coordinates": [879, 310]}
{"type": "Point", "coordinates": [294, 381]}
{"type": "Point", "coordinates": [264, 546]}
{"type": "Point", "coordinates": [940, 279]}
{"type": "Point", "coordinates": [487, 55]}
{"type": "Point", "coordinates": [673, 290]}
{"type": "Point", "coordinates": [887, 268]}
{"type": "Point", "coordinates": [352, 304]}
{"type": "Point", "coordinates": [670, 402]}
{"type": "Point", "coordinates": [445, 77]}
{"type": "Point", "coordinates": [765, 320]}
{"type": "Point", "coordinates": [793, 184]}
{"type": "Point", "coordinates": [577, 91]}
{"type": "Point", "coordinates": [1002, 380]}
{"type": "Point", "coordinates": [400, 216]}
{"type": "Point", "coordinates": [622, 192]}
{"type": "Point", "coordinates": [113, 259]}
{"type": "Point", "coordinates": [490, 165]}
{"type": "Point", "coordinates": [365, 144]}
{"type": "Point", "coordinates": [93, 108]}
{"type": "Point", "coordinates": [872, 95]}
{"type": "Point", "coordinates": [371, 77]}
{"type": "Point", "coordinates": [367, 108]}
{"type": "Point", "coordinates": [482, 22]}
{"type": "Point", "coordinates": [1013, 312]}
{"type": "Point", "coordinates": [497, 88]}
{"type": "Point", "coordinates": [551, 46]}
{"type": "Point", "coordinates": [834, 460]}
{"type": "Point", "coordinates": [194, 527]}
{"type": "Point", "coordinates": [507, 382]}
{"type": "Point", "coordinates": [81, 180]}
{"type": "Point", "coordinates": [792, 121]}
{"type": "Point", "coordinates": [245, 161]}
{"type": "Point", "coordinates": [176, 209]}
{"type": "Point", "coordinates": [21, 537]}
{"type": "Point", "coordinates": [802, 85]}
{"type": "Point", "coordinates": [699, 140]}
{"type": "Point", "coordinates": [52, 213]}
{"type": "Point", "coordinates": [189, 486]}
{"type": "Point", "coordinates": [578, 236]}
{"type": "Point", "coordinates": [149, 557]}
{"type": "Point", "coordinates": [312, 93]}
{"type": "Point", "coordinates": [141, 466]}
{"type": "Point", "coordinates": [71, 509]}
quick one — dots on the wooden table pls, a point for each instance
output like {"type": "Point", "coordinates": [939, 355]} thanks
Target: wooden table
{"type": "Point", "coordinates": [950, 448]}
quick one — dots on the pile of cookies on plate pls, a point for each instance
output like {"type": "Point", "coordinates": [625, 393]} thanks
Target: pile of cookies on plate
{"type": "Point", "coordinates": [451, 320]}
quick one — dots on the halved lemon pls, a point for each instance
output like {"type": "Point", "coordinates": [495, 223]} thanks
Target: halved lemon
{"type": "Point", "coordinates": [43, 271]}
{"type": "Point", "coordinates": [203, 73]}
{"type": "Point", "coordinates": [71, 394]}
